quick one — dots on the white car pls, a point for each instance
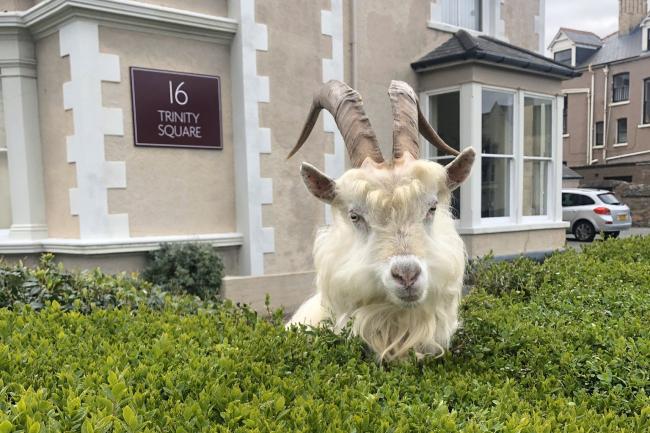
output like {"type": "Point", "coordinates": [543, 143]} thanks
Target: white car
{"type": "Point", "coordinates": [591, 211]}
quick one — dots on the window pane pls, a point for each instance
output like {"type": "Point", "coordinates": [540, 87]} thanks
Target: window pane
{"type": "Point", "coordinates": [444, 116]}
{"type": "Point", "coordinates": [495, 187]}
{"type": "Point", "coordinates": [563, 57]}
{"type": "Point", "coordinates": [646, 100]}
{"type": "Point", "coordinates": [621, 87]}
{"type": "Point", "coordinates": [608, 198]}
{"type": "Point", "coordinates": [538, 127]}
{"type": "Point", "coordinates": [621, 131]}
{"type": "Point", "coordinates": [565, 116]}
{"type": "Point", "coordinates": [461, 13]}
{"type": "Point", "coordinates": [599, 133]}
{"type": "Point", "coordinates": [497, 127]}
{"type": "Point", "coordinates": [535, 187]}
{"type": "Point", "coordinates": [5, 203]}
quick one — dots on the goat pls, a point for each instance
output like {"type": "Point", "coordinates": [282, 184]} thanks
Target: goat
{"type": "Point", "coordinates": [392, 261]}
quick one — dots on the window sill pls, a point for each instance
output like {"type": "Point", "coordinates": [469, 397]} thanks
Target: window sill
{"type": "Point", "coordinates": [620, 144]}
{"type": "Point", "coordinates": [566, 135]}
{"type": "Point", "coordinates": [597, 147]}
{"type": "Point", "coordinates": [641, 126]}
{"type": "Point", "coordinates": [110, 246]}
{"type": "Point", "coordinates": [619, 103]}
{"type": "Point", "coordinates": [512, 227]}
{"type": "Point", "coordinates": [450, 28]}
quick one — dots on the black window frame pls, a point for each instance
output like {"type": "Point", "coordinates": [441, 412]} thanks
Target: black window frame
{"type": "Point", "coordinates": [565, 116]}
{"type": "Point", "coordinates": [599, 134]}
{"type": "Point", "coordinates": [646, 100]}
{"type": "Point", "coordinates": [621, 91]}
{"type": "Point", "coordinates": [619, 121]}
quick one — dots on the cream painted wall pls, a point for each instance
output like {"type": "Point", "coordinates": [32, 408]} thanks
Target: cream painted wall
{"type": "Point", "coordinates": [509, 243]}
{"type": "Point", "coordinates": [389, 38]}
{"type": "Point", "coordinates": [56, 124]}
{"type": "Point", "coordinates": [293, 63]}
{"type": "Point", "coordinates": [210, 7]}
{"type": "Point", "coordinates": [170, 191]}
{"type": "Point", "coordinates": [519, 17]}
{"type": "Point", "coordinates": [16, 5]}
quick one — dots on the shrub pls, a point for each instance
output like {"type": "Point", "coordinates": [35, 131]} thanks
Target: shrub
{"type": "Point", "coordinates": [573, 355]}
{"type": "Point", "coordinates": [81, 291]}
{"type": "Point", "coordinates": [188, 268]}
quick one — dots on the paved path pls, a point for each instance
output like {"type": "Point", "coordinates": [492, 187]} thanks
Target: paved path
{"type": "Point", "coordinates": [634, 231]}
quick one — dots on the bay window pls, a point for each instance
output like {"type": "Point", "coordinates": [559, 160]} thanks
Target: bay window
{"type": "Point", "coordinates": [444, 116]}
{"type": "Point", "coordinates": [497, 120]}
{"type": "Point", "coordinates": [537, 155]}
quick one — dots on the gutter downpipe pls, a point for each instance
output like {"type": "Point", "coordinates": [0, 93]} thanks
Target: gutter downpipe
{"type": "Point", "coordinates": [605, 119]}
{"type": "Point", "coordinates": [590, 119]}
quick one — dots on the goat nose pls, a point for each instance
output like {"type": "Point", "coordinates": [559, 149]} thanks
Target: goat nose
{"type": "Point", "coordinates": [406, 273]}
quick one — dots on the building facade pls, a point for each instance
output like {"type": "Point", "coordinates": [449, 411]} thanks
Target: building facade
{"type": "Point", "coordinates": [76, 179]}
{"type": "Point", "coordinates": [607, 123]}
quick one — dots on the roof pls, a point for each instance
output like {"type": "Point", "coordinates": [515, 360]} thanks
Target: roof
{"type": "Point", "coordinates": [465, 47]}
{"type": "Point", "coordinates": [617, 47]}
{"type": "Point", "coordinates": [581, 37]}
{"type": "Point", "coordinates": [569, 173]}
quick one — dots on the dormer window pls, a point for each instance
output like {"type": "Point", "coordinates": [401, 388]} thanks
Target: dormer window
{"type": "Point", "coordinates": [621, 87]}
{"type": "Point", "coordinates": [565, 57]}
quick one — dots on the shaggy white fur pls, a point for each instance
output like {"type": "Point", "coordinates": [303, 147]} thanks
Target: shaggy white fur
{"type": "Point", "coordinates": [380, 214]}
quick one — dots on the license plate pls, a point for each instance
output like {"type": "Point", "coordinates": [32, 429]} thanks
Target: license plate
{"type": "Point", "coordinates": [622, 217]}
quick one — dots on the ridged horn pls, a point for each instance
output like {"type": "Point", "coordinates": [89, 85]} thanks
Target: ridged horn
{"type": "Point", "coordinates": [408, 121]}
{"type": "Point", "coordinates": [346, 106]}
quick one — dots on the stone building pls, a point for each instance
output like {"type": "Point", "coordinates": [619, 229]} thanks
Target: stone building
{"type": "Point", "coordinates": [607, 124]}
{"type": "Point", "coordinates": [105, 103]}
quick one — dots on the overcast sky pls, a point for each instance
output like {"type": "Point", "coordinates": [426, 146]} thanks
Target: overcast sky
{"type": "Point", "coordinates": [598, 16]}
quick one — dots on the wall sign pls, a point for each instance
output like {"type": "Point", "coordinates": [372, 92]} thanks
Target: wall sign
{"type": "Point", "coordinates": [174, 109]}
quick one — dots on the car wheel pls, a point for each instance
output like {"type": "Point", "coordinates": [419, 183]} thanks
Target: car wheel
{"type": "Point", "coordinates": [611, 235]}
{"type": "Point", "coordinates": [584, 231]}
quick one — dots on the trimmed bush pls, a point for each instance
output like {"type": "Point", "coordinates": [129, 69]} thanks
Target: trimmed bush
{"type": "Point", "coordinates": [187, 268]}
{"type": "Point", "coordinates": [572, 355]}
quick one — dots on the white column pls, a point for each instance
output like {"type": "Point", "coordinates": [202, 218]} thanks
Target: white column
{"type": "Point", "coordinates": [470, 135]}
{"type": "Point", "coordinates": [20, 103]}
{"type": "Point", "coordinates": [556, 153]}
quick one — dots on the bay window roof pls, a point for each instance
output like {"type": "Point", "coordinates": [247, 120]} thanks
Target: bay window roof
{"type": "Point", "coordinates": [462, 46]}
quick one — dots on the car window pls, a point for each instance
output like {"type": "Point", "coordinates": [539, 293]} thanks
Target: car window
{"type": "Point", "coordinates": [583, 200]}
{"type": "Point", "coordinates": [571, 199]}
{"type": "Point", "coordinates": [608, 198]}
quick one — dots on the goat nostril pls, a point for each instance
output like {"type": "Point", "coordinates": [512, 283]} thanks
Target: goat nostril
{"type": "Point", "coordinates": [406, 275]}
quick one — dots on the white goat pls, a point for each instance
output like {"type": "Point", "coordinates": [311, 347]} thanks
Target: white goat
{"type": "Point", "coordinates": [391, 261]}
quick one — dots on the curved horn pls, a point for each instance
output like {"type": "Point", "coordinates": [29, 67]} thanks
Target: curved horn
{"type": "Point", "coordinates": [408, 120]}
{"type": "Point", "coordinates": [345, 104]}
{"type": "Point", "coordinates": [405, 119]}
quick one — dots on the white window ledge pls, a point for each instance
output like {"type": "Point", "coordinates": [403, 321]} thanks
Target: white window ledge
{"type": "Point", "coordinates": [450, 28]}
{"type": "Point", "coordinates": [620, 144]}
{"type": "Point", "coordinates": [504, 228]}
{"type": "Point", "coordinates": [618, 104]}
{"type": "Point", "coordinates": [110, 246]}
{"type": "Point", "coordinates": [566, 135]}
{"type": "Point", "coordinates": [646, 125]}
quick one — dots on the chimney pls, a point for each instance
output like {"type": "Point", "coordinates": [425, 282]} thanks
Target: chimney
{"type": "Point", "coordinates": [630, 14]}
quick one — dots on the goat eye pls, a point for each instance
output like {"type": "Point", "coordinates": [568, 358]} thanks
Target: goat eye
{"type": "Point", "coordinates": [354, 217]}
{"type": "Point", "coordinates": [431, 210]}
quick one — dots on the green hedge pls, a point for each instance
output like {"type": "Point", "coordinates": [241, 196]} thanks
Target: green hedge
{"type": "Point", "coordinates": [566, 349]}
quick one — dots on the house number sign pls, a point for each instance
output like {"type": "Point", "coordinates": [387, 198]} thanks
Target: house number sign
{"type": "Point", "coordinates": [174, 109]}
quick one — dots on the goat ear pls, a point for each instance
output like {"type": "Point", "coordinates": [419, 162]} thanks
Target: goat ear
{"type": "Point", "coordinates": [321, 186]}
{"type": "Point", "coordinates": [458, 169]}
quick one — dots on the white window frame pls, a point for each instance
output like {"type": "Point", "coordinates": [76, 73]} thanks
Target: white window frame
{"type": "Point", "coordinates": [550, 169]}
{"type": "Point", "coordinates": [471, 221]}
